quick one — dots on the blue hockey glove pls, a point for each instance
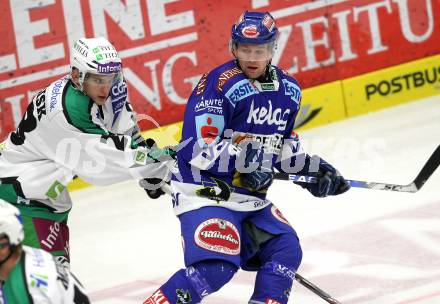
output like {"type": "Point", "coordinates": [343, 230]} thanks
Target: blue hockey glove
{"type": "Point", "coordinates": [259, 179]}
{"type": "Point", "coordinates": [330, 181]}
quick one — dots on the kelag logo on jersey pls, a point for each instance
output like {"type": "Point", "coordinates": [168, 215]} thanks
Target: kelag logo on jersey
{"type": "Point", "coordinates": [118, 94]}
{"type": "Point", "coordinates": [208, 127]}
{"type": "Point", "coordinates": [292, 90]}
{"type": "Point", "coordinates": [240, 90]}
{"type": "Point", "coordinates": [268, 116]}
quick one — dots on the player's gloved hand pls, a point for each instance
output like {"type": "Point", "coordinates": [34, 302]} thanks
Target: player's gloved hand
{"type": "Point", "coordinates": [136, 137]}
{"type": "Point", "coordinates": [152, 187]}
{"type": "Point", "coordinates": [159, 154]}
{"type": "Point", "coordinates": [330, 181]}
{"type": "Point", "coordinates": [259, 179]}
{"type": "Point", "coordinates": [146, 142]}
{"type": "Point", "coordinates": [171, 151]}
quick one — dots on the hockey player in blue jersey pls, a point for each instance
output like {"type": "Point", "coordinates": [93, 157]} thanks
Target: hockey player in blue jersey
{"type": "Point", "coordinates": [237, 129]}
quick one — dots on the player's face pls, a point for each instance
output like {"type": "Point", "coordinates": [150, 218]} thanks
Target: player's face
{"type": "Point", "coordinates": [253, 58]}
{"type": "Point", "coordinates": [4, 247]}
{"type": "Point", "coordinates": [97, 87]}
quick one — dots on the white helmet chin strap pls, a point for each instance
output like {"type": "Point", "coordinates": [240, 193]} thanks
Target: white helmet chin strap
{"type": "Point", "coordinates": [78, 82]}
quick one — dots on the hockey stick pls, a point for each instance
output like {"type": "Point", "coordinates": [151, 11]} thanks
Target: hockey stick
{"type": "Point", "coordinates": [427, 170]}
{"type": "Point", "coordinates": [304, 282]}
{"type": "Point", "coordinates": [315, 289]}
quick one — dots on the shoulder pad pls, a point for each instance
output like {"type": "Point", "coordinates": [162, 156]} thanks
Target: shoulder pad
{"type": "Point", "coordinates": [118, 95]}
{"type": "Point", "coordinates": [291, 86]}
{"type": "Point", "coordinates": [240, 90]}
{"type": "Point", "coordinates": [292, 89]}
{"type": "Point", "coordinates": [285, 72]}
{"type": "Point", "coordinates": [54, 94]}
{"type": "Point", "coordinates": [201, 85]}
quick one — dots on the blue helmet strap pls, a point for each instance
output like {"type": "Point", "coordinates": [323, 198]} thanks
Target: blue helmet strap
{"type": "Point", "coordinates": [266, 77]}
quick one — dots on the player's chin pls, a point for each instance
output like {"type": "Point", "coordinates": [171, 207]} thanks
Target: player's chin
{"type": "Point", "coordinates": [253, 73]}
{"type": "Point", "coordinates": [100, 101]}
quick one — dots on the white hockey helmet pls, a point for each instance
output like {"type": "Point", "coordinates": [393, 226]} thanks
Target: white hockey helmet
{"type": "Point", "coordinates": [11, 223]}
{"type": "Point", "coordinates": [95, 56]}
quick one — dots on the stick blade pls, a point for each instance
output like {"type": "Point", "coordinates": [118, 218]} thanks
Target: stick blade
{"type": "Point", "coordinates": [383, 186]}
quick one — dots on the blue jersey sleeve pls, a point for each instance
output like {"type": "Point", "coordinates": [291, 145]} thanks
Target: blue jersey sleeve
{"type": "Point", "coordinates": [291, 159]}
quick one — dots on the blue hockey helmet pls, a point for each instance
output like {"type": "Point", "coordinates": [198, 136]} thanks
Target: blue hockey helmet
{"type": "Point", "coordinates": [254, 28]}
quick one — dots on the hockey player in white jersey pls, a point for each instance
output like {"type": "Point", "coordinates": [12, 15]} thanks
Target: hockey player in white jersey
{"type": "Point", "coordinates": [80, 125]}
{"type": "Point", "coordinates": [30, 275]}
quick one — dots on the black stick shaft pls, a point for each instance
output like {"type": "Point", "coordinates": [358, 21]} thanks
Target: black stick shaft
{"type": "Point", "coordinates": [430, 166]}
{"type": "Point", "coordinates": [315, 289]}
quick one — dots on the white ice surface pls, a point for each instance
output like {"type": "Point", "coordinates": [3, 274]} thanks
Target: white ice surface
{"type": "Point", "coordinates": [365, 246]}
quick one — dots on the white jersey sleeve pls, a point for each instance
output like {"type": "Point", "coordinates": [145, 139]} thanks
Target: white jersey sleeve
{"type": "Point", "coordinates": [63, 134]}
